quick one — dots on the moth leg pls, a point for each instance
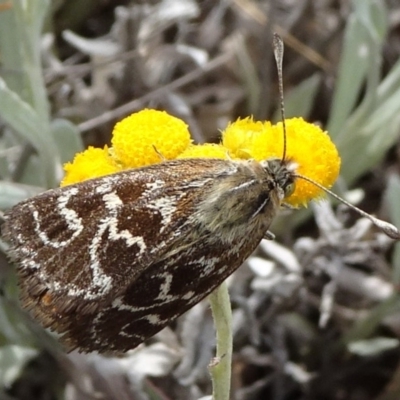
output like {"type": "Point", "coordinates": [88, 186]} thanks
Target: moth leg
{"type": "Point", "coordinates": [269, 235]}
{"type": "Point", "coordinates": [288, 206]}
{"type": "Point", "coordinates": [162, 158]}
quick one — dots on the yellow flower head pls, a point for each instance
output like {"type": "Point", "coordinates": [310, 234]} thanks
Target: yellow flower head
{"type": "Point", "coordinates": [147, 137]}
{"type": "Point", "coordinates": [316, 155]}
{"type": "Point", "coordinates": [207, 150]}
{"type": "Point", "coordinates": [308, 146]}
{"type": "Point", "coordinates": [91, 163]}
{"type": "Point", "coordinates": [239, 137]}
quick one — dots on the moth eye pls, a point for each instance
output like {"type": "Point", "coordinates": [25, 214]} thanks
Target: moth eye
{"type": "Point", "coordinates": [289, 189]}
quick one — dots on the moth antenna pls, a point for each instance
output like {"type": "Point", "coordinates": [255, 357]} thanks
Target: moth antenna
{"type": "Point", "coordinates": [278, 53]}
{"type": "Point", "coordinates": [387, 228]}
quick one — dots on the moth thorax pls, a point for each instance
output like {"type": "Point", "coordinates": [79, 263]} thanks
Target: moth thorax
{"type": "Point", "coordinates": [239, 202]}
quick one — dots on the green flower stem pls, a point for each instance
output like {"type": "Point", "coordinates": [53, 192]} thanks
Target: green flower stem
{"type": "Point", "coordinates": [220, 367]}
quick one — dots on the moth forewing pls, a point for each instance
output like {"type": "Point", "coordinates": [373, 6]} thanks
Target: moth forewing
{"type": "Point", "coordinates": [110, 261]}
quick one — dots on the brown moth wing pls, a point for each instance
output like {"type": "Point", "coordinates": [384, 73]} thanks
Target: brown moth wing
{"type": "Point", "coordinates": [83, 247]}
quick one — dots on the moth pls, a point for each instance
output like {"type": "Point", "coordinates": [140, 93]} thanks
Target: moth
{"type": "Point", "coordinates": [111, 261]}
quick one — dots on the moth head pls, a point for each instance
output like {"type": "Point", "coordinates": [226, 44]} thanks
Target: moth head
{"type": "Point", "coordinates": [283, 172]}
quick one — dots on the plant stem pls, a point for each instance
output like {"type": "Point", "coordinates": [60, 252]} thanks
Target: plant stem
{"type": "Point", "coordinates": [220, 367]}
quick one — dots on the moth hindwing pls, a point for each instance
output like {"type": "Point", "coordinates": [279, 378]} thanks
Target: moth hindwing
{"type": "Point", "coordinates": [109, 262]}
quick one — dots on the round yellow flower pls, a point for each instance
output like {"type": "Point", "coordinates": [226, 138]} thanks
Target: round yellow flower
{"type": "Point", "coordinates": [307, 145]}
{"type": "Point", "coordinates": [240, 136]}
{"type": "Point", "coordinates": [91, 163]}
{"type": "Point", "coordinates": [147, 137]}
{"type": "Point", "coordinates": [207, 150]}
